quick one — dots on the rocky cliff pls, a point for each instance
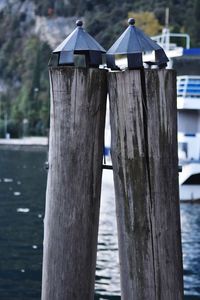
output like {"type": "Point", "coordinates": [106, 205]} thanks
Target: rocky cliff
{"type": "Point", "coordinates": [26, 41]}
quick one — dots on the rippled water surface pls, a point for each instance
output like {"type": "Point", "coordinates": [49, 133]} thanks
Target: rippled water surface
{"type": "Point", "coordinates": [22, 196]}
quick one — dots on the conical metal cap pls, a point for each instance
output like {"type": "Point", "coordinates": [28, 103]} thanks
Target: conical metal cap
{"type": "Point", "coordinates": [79, 42]}
{"type": "Point", "coordinates": [133, 43]}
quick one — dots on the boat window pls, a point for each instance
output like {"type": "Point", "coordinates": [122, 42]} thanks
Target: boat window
{"type": "Point", "coordinates": [193, 180]}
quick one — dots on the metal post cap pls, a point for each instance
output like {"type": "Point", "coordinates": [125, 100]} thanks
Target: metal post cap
{"type": "Point", "coordinates": [79, 42]}
{"type": "Point", "coordinates": [131, 21]}
{"type": "Point", "coordinates": [134, 43]}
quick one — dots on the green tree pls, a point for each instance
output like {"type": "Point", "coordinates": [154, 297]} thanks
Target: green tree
{"type": "Point", "coordinates": [147, 22]}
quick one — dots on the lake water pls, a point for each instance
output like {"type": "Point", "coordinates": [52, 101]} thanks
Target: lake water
{"type": "Point", "coordinates": [22, 199]}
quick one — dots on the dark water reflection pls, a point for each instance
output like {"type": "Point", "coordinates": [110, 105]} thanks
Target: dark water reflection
{"type": "Point", "coordinates": [22, 181]}
{"type": "Point", "coordinates": [190, 222]}
{"type": "Point", "coordinates": [22, 193]}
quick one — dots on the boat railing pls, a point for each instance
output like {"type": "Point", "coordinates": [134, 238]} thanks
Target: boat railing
{"type": "Point", "coordinates": [188, 86]}
{"type": "Point", "coordinates": [164, 40]}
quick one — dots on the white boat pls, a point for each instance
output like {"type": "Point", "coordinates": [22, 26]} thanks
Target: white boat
{"type": "Point", "coordinates": [186, 61]}
{"type": "Point", "coordinates": [188, 104]}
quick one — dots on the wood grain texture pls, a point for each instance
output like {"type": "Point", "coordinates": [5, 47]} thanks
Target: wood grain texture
{"type": "Point", "coordinates": [145, 165]}
{"type": "Point", "coordinates": [78, 101]}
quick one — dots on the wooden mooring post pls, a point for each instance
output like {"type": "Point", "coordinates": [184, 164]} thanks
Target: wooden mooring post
{"type": "Point", "coordinates": [145, 164]}
{"type": "Point", "coordinates": [78, 103]}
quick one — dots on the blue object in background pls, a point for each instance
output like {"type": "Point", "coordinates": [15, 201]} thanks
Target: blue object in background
{"type": "Point", "coordinates": [191, 51]}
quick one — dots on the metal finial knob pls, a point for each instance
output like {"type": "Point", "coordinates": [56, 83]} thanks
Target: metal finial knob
{"type": "Point", "coordinates": [79, 23]}
{"type": "Point", "coordinates": [131, 21]}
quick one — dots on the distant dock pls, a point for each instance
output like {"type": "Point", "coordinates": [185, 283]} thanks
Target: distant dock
{"type": "Point", "coordinates": [27, 143]}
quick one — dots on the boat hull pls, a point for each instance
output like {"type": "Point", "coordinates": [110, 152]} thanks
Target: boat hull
{"type": "Point", "coordinates": [189, 182]}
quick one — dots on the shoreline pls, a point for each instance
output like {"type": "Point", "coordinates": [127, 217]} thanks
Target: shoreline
{"type": "Point", "coordinates": [27, 143]}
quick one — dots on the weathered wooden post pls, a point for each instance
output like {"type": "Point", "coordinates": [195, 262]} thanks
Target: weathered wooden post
{"type": "Point", "coordinates": [145, 165]}
{"type": "Point", "coordinates": [78, 101]}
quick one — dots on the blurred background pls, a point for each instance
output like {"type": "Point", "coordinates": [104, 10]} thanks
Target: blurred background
{"type": "Point", "coordinates": [29, 31]}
